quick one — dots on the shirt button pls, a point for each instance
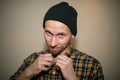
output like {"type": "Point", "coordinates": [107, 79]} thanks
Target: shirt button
{"type": "Point", "coordinates": [53, 72]}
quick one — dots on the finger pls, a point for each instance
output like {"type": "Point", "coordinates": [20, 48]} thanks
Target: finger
{"type": "Point", "coordinates": [45, 65]}
{"type": "Point", "coordinates": [63, 61]}
{"type": "Point", "coordinates": [51, 60]}
{"type": "Point", "coordinates": [61, 64]}
{"type": "Point", "coordinates": [63, 58]}
{"type": "Point", "coordinates": [46, 57]}
{"type": "Point", "coordinates": [45, 68]}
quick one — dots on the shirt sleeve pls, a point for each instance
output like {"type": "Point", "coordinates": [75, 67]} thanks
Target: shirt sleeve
{"type": "Point", "coordinates": [29, 60]}
{"type": "Point", "coordinates": [98, 72]}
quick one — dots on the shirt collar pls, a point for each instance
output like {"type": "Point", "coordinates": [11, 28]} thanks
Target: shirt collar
{"type": "Point", "coordinates": [68, 51]}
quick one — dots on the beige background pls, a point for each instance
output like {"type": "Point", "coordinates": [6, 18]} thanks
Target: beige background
{"type": "Point", "coordinates": [21, 32]}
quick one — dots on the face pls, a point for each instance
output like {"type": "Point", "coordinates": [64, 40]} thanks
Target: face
{"type": "Point", "coordinates": [57, 36]}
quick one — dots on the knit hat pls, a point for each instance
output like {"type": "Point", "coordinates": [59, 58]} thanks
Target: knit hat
{"type": "Point", "coordinates": [64, 13]}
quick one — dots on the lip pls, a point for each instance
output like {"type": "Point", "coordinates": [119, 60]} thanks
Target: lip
{"type": "Point", "coordinates": [54, 49]}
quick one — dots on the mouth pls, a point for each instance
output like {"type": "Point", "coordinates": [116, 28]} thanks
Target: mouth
{"type": "Point", "coordinates": [54, 48]}
{"type": "Point", "coordinates": [55, 51]}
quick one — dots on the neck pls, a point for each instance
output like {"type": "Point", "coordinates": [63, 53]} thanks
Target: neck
{"type": "Point", "coordinates": [66, 49]}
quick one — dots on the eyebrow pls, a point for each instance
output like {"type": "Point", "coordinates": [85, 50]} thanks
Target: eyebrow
{"type": "Point", "coordinates": [47, 31]}
{"type": "Point", "coordinates": [56, 34]}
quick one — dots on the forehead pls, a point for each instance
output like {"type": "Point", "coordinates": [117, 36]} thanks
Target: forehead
{"type": "Point", "coordinates": [56, 26]}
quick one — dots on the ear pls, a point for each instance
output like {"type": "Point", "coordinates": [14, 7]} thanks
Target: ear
{"type": "Point", "coordinates": [73, 36]}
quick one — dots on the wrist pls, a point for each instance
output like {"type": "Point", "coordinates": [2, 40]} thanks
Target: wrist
{"type": "Point", "coordinates": [31, 72]}
{"type": "Point", "coordinates": [28, 73]}
{"type": "Point", "coordinates": [73, 78]}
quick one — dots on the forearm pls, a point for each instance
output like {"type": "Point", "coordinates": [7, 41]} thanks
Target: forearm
{"type": "Point", "coordinates": [25, 75]}
{"type": "Point", "coordinates": [73, 78]}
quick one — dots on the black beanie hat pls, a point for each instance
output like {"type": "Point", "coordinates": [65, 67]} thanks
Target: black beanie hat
{"type": "Point", "coordinates": [64, 13]}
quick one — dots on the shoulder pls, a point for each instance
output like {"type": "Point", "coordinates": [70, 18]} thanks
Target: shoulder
{"type": "Point", "coordinates": [32, 57]}
{"type": "Point", "coordinates": [83, 57]}
{"type": "Point", "coordinates": [86, 64]}
{"type": "Point", "coordinates": [84, 61]}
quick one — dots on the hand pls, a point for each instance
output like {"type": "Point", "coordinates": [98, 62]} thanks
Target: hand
{"type": "Point", "coordinates": [43, 62]}
{"type": "Point", "coordinates": [66, 66]}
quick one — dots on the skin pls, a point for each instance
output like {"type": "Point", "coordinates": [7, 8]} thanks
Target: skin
{"type": "Point", "coordinates": [58, 37]}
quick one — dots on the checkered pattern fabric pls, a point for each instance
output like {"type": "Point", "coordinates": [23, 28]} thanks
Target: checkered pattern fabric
{"type": "Point", "coordinates": [85, 67]}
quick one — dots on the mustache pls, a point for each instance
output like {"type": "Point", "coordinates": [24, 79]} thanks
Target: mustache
{"type": "Point", "coordinates": [49, 52]}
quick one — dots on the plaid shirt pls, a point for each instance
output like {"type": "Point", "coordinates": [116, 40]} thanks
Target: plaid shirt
{"type": "Point", "coordinates": [85, 67]}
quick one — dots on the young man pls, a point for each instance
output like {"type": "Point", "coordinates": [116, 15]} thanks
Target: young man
{"type": "Point", "coordinates": [60, 61]}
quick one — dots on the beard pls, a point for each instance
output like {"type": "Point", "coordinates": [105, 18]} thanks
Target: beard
{"type": "Point", "coordinates": [61, 49]}
{"type": "Point", "coordinates": [57, 52]}
{"type": "Point", "coordinates": [58, 49]}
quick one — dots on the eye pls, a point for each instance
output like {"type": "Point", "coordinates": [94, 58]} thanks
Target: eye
{"type": "Point", "coordinates": [48, 33]}
{"type": "Point", "coordinates": [61, 35]}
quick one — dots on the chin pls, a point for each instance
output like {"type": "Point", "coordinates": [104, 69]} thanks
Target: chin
{"type": "Point", "coordinates": [55, 53]}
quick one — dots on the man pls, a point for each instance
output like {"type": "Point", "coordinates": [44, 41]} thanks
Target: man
{"type": "Point", "coordinates": [60, 61]}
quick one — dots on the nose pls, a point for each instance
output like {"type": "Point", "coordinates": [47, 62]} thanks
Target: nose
{"type": "Point", "coordinates": [53, 42]}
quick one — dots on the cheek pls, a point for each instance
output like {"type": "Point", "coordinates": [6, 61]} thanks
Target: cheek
{"type": "Point", "coordinates": [63, 41]}
{"type": "Point", "coordinates": [47, 38]}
